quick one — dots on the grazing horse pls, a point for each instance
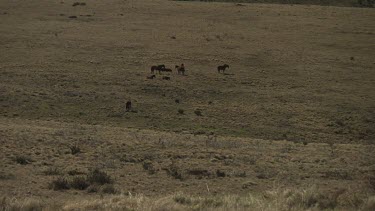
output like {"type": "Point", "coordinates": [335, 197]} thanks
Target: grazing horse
{"type": "Point", "coordinates": [166, 78]}
{"type": "Point", "coordinates": [158, 68]}
{"type": "Point", "coordinates": [180, 69]}
{"type": "Point", "coordinates": [151, 77]}
{"type": "Point", "coordinates": [222, 67]}
{"type": "Point", "coordinates": [128, 105]}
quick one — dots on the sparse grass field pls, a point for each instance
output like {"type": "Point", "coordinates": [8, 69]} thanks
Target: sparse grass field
{"type": "Point", "coordinates": [290, 126]}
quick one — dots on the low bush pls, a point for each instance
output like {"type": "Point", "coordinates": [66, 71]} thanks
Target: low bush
{"type": "Point", "coordinates": [23, 160]}
{"type": "Point", "coordinates": [59, 183]}
{"type": "Point", "coordinates": [79, 183]}
{"type": "Point", "coordinates": [99, 177]}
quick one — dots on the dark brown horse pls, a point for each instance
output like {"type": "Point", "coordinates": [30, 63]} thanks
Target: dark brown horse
{"type": "Point", "coordinates": [158, 68]}
{"type": "Point", "coordinates": [222, 68]}
{"type": "Point", "coordinates": [128, 105]}
{"type": "Point", "coordinates": [180, 69]}
{"type": "Point", "coordinates": [151, 77]}
{"type": "Point", "coordinates": [166, 78]}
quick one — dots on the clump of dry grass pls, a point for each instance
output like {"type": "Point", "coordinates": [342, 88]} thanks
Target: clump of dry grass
{"type": "Point", "coordinates": [60, 183]}
{"type": "Point", "coordinates": [176, 172]}
{"type": "Point", "coordinates": [95, 177]}
{"type": "Point", "coordinates": [181, 111]}
{"type": "Point", "coordinates": [75, 149]}
{"type": "Point", "coordinates": [99, 177]}
{"type": "Point", "coordinates": [79, 183]}
{"type": "Point", "coordinates": [24, 205]}
{"type": "Point", "coordinates": [108, 189]}
{"type": "Point", "coordinates": [149, 167]}
{"type": "Point", "coordinates": [198, 112]}
{"type": "Point", "coordinates": [22, 159]}
{"type": "Point", "coordinates": [52, 171]}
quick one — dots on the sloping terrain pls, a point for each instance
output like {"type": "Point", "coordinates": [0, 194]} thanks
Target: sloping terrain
{"type": "Point", "coordinates": [157, 163]}
{"type": "Point", "coordinates": [295, 109]}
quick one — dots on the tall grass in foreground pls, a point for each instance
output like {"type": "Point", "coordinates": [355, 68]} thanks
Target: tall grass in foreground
{"type": "Point", "coordinates": [278, 199]}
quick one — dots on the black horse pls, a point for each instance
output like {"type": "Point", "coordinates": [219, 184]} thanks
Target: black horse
{"type": "Point", "coordinates": [128, 105]}
{"type": "Point", "coordinates": [151, 77]}
{"type": "Point", "coordinates": [222, 68]}
{"type": "Point", "coordinates": [166, 78]}
{"type": "Point", "coordinates": [158, 68]}
{"type": "Point", "coordinates": [180, 70]}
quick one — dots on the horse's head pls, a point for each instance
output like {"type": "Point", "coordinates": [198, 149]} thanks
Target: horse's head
{"type": "Point", "coordinates": [226, 65]}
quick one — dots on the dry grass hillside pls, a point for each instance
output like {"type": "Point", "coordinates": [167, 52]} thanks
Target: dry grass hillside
{"type": "Point", "coordinates": [289, 126]}
{"type": "Point", "coordinates": [55, 163]}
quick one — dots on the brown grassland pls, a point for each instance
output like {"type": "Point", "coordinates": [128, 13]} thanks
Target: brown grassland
{"type": "Point", "coordinates": [289, 126]}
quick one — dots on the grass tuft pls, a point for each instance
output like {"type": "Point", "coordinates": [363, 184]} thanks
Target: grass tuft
{"type": "Point", "coordinates": [79, 183]}
{"type": "Point", "coordinates": [97, 176]}
{"type": "Point", "coordinates": [23, 160]}
{"type": "Point", "coordinates": [52, 171]}
{"type": "Point", "coordinates": [198, 112]}
{"type": "Point", "coordinates": [59, 183]}
{"type": "Point", "coordinates": [181, 111]}
{"type": "Point", "coordinates": [75, 149]}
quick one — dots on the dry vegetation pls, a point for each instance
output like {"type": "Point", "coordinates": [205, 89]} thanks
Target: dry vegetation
{"type": "Point", "coordinates": [286, 199]}
{"type": "Point", "coordinates": [290, 126]}
{"type": "Point", "coordinates": [115, 160]}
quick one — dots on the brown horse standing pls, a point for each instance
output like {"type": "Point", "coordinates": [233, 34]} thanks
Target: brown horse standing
{"type": "Point", "coordinates": [158, 68]}
{"type": "Point", "coordinates": [222, 67]}
{"type": "Point", "coordinates": [180, 69]}
{"type": "Point", "coordinates": [151, 77]}
{"type": "Point", "coordinates": [128, 105]}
